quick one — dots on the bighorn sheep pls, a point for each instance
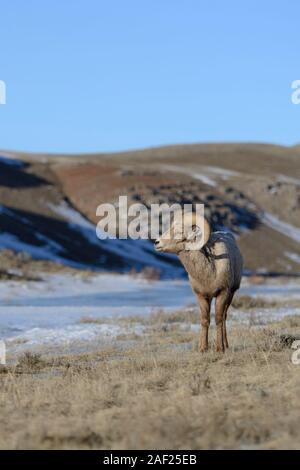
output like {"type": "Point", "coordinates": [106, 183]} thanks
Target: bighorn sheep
{"type": "Point", "coordinates": [214, 269]}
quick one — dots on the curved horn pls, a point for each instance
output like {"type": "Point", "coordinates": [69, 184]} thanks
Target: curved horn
{"type": "Point", "coordinates": [200, 237]}
{"type": "Point", "coordinates": [205, 224]}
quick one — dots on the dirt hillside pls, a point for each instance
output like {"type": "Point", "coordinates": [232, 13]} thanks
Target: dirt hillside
{"type": "Point", "coordinates": [48, 202]}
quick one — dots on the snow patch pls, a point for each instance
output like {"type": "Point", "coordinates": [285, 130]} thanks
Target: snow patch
{"type": "Point", "coordinates": [49, 251]}
{"type": "Point", "coordinates": [293, 256]}
{"type": "Point", "coordinates": [11, 162]}
{"type": "Point", "coordinates": [222, 172]}
{"type": "Point", "coordinates": [70, 333]}
{"type": "Point", "coordinates": [282, 227]}
{"type": "Point", "coordinates": [141, 251]}
{"type": "Point", "coordinates": [288, 179]}
{"type": "Point", "coordinates": [192, 173]}
{"type": "Point", "coordinates": [207, 173]}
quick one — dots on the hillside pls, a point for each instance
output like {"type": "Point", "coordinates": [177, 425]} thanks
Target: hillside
{"type": "Point", "coordinates": [48, 202]}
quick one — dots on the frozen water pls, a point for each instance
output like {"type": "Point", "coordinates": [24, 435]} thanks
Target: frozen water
{"type": "Point", "coordinates": [50, 311]}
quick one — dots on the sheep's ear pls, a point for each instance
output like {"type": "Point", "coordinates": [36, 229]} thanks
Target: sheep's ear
{"type": "Point", "coordinates": [194, 239]}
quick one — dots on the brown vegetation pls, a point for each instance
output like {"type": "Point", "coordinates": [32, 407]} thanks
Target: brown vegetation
{"type": "Point", "coordinates": [157, 393]}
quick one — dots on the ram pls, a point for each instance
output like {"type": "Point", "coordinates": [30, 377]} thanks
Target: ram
{"type": "Point", "coordinates": [214, 265]}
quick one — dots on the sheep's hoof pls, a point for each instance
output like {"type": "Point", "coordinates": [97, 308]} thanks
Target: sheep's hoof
{"type": "Point", "coordinates": [220, 349]}
{"type": "Point", "coordinates": [203, 349]}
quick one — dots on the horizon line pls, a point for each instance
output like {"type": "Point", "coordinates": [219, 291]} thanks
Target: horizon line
{"type": "Point", "coordinates": [150, 147]}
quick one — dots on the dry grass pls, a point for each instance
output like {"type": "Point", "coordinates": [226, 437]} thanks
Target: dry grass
{"type": "Point", "coordinates": [247, 302]}
{"type": "Point", "coordinates": [160, 394]}
{"type": "Point", "coordinates": [189, 315]}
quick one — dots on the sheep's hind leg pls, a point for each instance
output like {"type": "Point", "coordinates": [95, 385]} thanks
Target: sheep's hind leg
{"type": "Point", "coordinates": [225, 318]}
{"type": "Point", "coordinates": [221, 303]}
{"type": "Point", "coordinates": [225, 332]}
{"type": "Point", "coordinates": [205, 304]}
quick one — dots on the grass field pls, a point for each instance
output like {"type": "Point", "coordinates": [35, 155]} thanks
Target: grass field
{"type": "Point", "coordinates": [158, 392]}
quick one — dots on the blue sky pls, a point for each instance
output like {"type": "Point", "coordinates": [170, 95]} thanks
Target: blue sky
{"type": "Point", "coordinates": [99, 75]}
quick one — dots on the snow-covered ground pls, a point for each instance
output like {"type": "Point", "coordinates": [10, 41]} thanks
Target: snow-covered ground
{"type": "Point", "coordinates": [209, 175]}
{"type": "Point", "coordinates": [137, 251]}
{"type": "Point", "coordinates": [50, 312]}
{"type": "Point", "coordinates": [10, 161]}
{"type": "Point", "coordinates": [142, 252]}
{"type": "Point", "coordinates": [282, 227]}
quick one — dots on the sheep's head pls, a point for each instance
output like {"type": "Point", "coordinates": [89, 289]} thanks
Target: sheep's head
{"type": "Point", "coordinates": [188, 232]}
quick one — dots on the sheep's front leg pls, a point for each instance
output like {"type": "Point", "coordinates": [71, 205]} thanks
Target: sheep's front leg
{"type": "Point", "coordinates": [204, 303]}
{"type": "Point", "coordinates": [221, 304]}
